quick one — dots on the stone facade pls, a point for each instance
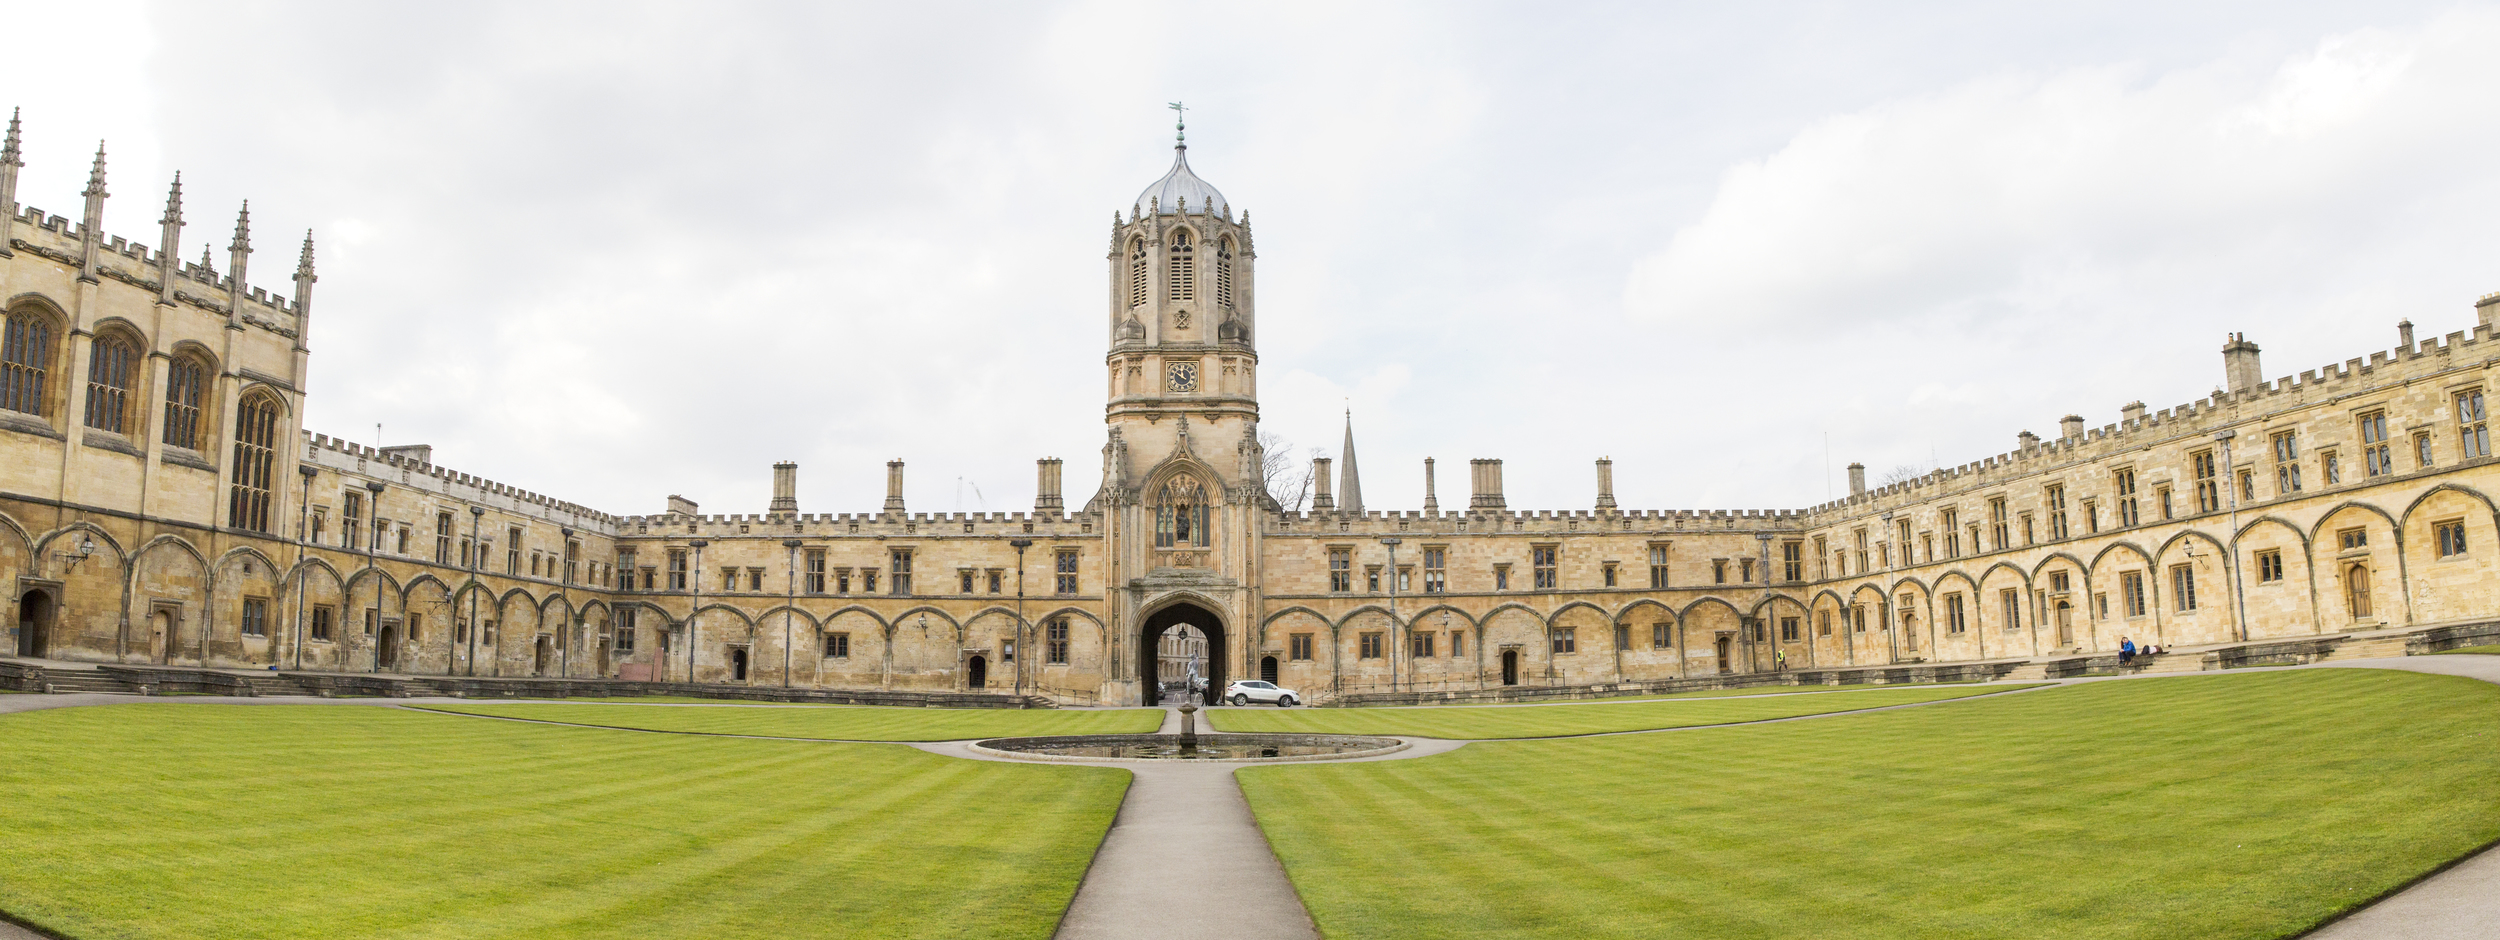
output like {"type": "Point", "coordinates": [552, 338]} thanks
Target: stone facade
{"type": "Point", "coordinates": [161, 503]}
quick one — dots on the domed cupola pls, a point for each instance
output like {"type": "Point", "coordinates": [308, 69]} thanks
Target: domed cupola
{"type": "Point", "coordinates": [1167, 195]}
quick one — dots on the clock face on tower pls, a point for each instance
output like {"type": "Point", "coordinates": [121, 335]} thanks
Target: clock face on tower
{"type": "Point", "coordinates": [1181, 376]}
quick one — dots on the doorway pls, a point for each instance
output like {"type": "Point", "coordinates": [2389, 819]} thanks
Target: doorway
{"type": "Point", "coordinates": [34, 624]}
{"type": "Point", "coordinates": [977, 672]}
{"type": "Point", "coordinates": [545, 651]}
{"type": "Point", "coordinates": [2065, 624]}
{"type": "Point", "coordinates": [738, 664]}
{"type": "Point", "coordinates": [161, 638]}
{"type": "Point", "coordinates": [1267, 670]}
{"type": "Point", "coordinates": [2357, 589]}
{"type": "Point", "coordinates": [1202, 644]}
{"type": "Point", "coordinates": [1510, 667]}
{"type": "Point", "coordinates": [1727, 651]}
{"type": "Point", "coordinates": [386, 651]}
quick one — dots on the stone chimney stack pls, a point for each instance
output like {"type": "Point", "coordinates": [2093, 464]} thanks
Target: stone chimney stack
{"type": "Point", "coordinates": [1857, 479]}
{"type": "Point", "coordinates": [2026, 440]}
{"type": "Point", "coordinates": [785, 487]}
{"type": "Point", "coordinates": [679, 505]}
{"type": "Point", "coordinates": [2070, 427]}
{"type": "Point", "coordinates": [1605, 483]}
{"type": "Point", "coordinates": [894, 485]}
{"type": "Point", "coordinates": [1487, 474]}
{"type": "Point", "coordinates": [1046, 499]}
{"type": "Point", "coordinates": [1323, 499]}
{"type": "Point", "coordinates": [2239, 364]}
{"type": "Point", "coordinates": [2486, 310]}
{"type": "Point", "coordinates": [2132, 413]}
{"type": "Point", "coordinates": [2404, 334]}
{"type": "Point", "coordinates": [1432, 503]}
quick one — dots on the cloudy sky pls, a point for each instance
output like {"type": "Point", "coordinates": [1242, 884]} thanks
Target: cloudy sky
{"type": "Point", "coordinates": [613, 251]}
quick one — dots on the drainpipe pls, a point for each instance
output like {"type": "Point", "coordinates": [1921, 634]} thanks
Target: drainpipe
{"type": "Point", "coordinates": [786, 605]}
{"type": "Point", "coordinates": [695, 610]}
{"type": "Point", "coordinates": [477, 553]}
{"type": "Point", "coordinates": [2231, 552]}
{"type": "Point", "coordinates": [303, 519]}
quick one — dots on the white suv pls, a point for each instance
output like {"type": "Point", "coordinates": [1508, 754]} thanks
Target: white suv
{"type": "Point", "coordinates": [1247, 691]}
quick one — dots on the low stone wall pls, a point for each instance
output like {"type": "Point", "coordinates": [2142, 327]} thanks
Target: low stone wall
{"type": "Point", "coordinates": [1871, 675]}
{"type": "Point", "coordinates": [389, 685]}
{"type": "Point", "coordinates": [2457, 636]}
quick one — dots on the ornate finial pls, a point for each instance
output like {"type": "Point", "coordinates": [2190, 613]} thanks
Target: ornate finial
{"type": "Point", "coordinates": [304, 265]}
{"type": "Point", "coordinates": [243, 230]}
{"type": "Point", "coordinates": [205, 267]}
{"type": "Point", "coordinates": [95, 176]}
{"type": "Point", "coordinates": [8, 149]}
{"type": "Point", "coordinates": [1180, 126]}
{"type": "Point", "coordinates": [173, 203]}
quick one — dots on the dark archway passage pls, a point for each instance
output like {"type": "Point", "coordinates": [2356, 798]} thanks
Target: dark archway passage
{"type": "Point", "coordinates": [1510, 667]}
{"type": "Point", "coordinates": [1267, 670]}
{"type": "Point", "coordinates": [977, 672]}
{"type": "Point", "coordinates": [34, 624]}
{"type": "Point", "coordinates": [1149, 649]}
{"type": "Point", "coordinates": [738, 664]}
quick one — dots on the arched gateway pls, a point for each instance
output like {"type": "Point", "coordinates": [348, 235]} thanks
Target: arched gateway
{"type": "Point", "coordinates": [1150, 646]}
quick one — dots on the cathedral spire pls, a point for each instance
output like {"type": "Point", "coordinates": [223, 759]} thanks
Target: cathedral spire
{"type": "Point", "coordinates": [1349, 483]}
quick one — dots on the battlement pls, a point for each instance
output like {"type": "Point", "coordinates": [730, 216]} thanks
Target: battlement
{"type": "Point", "coordinates": [1490, 521]}
{"type": "Point", "coordinates": [2196, 418]}
{"type": "Point", "coordinates": [62, 240]}
{"type": "Point", "coordinates": [863, 524]}
{"type": "Point", "coordinates": [377, 463]}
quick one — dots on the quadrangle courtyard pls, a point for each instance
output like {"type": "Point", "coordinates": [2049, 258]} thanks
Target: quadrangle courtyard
{"type": "Point", "coordinates": [2241, 805]}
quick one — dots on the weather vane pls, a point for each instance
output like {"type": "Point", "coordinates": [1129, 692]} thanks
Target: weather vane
{"type": "Point", "coordinates": [1180, 123]}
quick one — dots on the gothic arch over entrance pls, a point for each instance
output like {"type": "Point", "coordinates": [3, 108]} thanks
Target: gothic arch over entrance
{"type": "Point", "coordinates": [34, 624]}
{"type": "Point", "coordinates": [1149, 647]}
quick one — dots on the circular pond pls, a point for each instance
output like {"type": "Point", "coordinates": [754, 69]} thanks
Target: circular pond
{"type": "Point", "coordinates": [1206, 747]}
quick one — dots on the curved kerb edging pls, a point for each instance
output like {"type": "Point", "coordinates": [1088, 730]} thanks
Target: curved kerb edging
{"type": "Point", "coordinates": [1379, 746]}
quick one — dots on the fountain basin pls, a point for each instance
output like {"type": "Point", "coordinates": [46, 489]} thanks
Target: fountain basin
{"type": "Point", "coordinates": [1219, 748]}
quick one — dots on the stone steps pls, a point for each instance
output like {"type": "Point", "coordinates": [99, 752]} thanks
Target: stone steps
{"type": "Point", "coordinates": [64, 681]}
{"type": "Point", "coordinates": [2377, 647]}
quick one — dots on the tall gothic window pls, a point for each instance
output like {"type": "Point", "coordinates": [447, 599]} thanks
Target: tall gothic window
{"type": "Point", "coordinates": [1181, 516]}
{"type": "Point", "coordinates": [1137, 272]}
{"type": "Point", "coordinates": [183, 385]}
{"type": "Point", "coordinates": [255, 449]}
{"type": "Point", "coordinates": [25, 362]}
{"type": "Point", "coordinates": [1183, 271]}
{"type": "Point", "coordinates": [1224, 273]}
{"type": "Point", "coordinates": [108, 383]}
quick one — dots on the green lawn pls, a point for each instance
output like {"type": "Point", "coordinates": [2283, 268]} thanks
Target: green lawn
{"type": "Point", "coordinates": [835, 722]}
{"type": "Point", "coordinates": [2493, 650]}
{"type": "Point", "coordinates": [217, 821]}
{"type": "Point", "coordinates": [2243, 807]}
{"type": "Point", "coordinates": [1541, 721]}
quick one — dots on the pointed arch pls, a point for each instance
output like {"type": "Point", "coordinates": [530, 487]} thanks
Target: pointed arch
{"type": "Point", "coordinates": [25, 540]}
{"type": "Point", "coordinates": [182, 545]}
{"type": "Point", "coordinates": [743, 618]}
{"type": "Point", "coordinates": [766, 615]}
{"type": "Point", "coordinates": [924, 610]}
{"type": "Point", "coordinates": [2019, 574]}
{"type": "Point", "coordinates": [377, 571]}
{"type": "Point", "coordinates": [883, 625]}
{"type": "Point", "coordinates": [1639, 603]}
{"type": "Point", "coordinates": [1361, 608]}
{"type": "Point", "coordinates": [2298, 534]}
{"type": "Point", "coordinates": [1554, 618]}
{"type": "Point", "coordinates": [2188, 535]}
{"type": "Point", "coordinates": [1697, 603]}
{"type": "Point", "coordinates": [1511, 605]}
{"type": "Point", "coordinates": [2467, 491]}
{"type": "Point", "coordinates": [43, 546]}
{"type": "Point", "coordinates": [2329, 515]}
{"type": "Point", "coordinates": [422, 579]}
{"type": "Point", "coordinates": [2118, 545]}
{"type": "Point", "coordinates": [1296, 609]}
{"type": "Point", "coordinates": [2052, 557]}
